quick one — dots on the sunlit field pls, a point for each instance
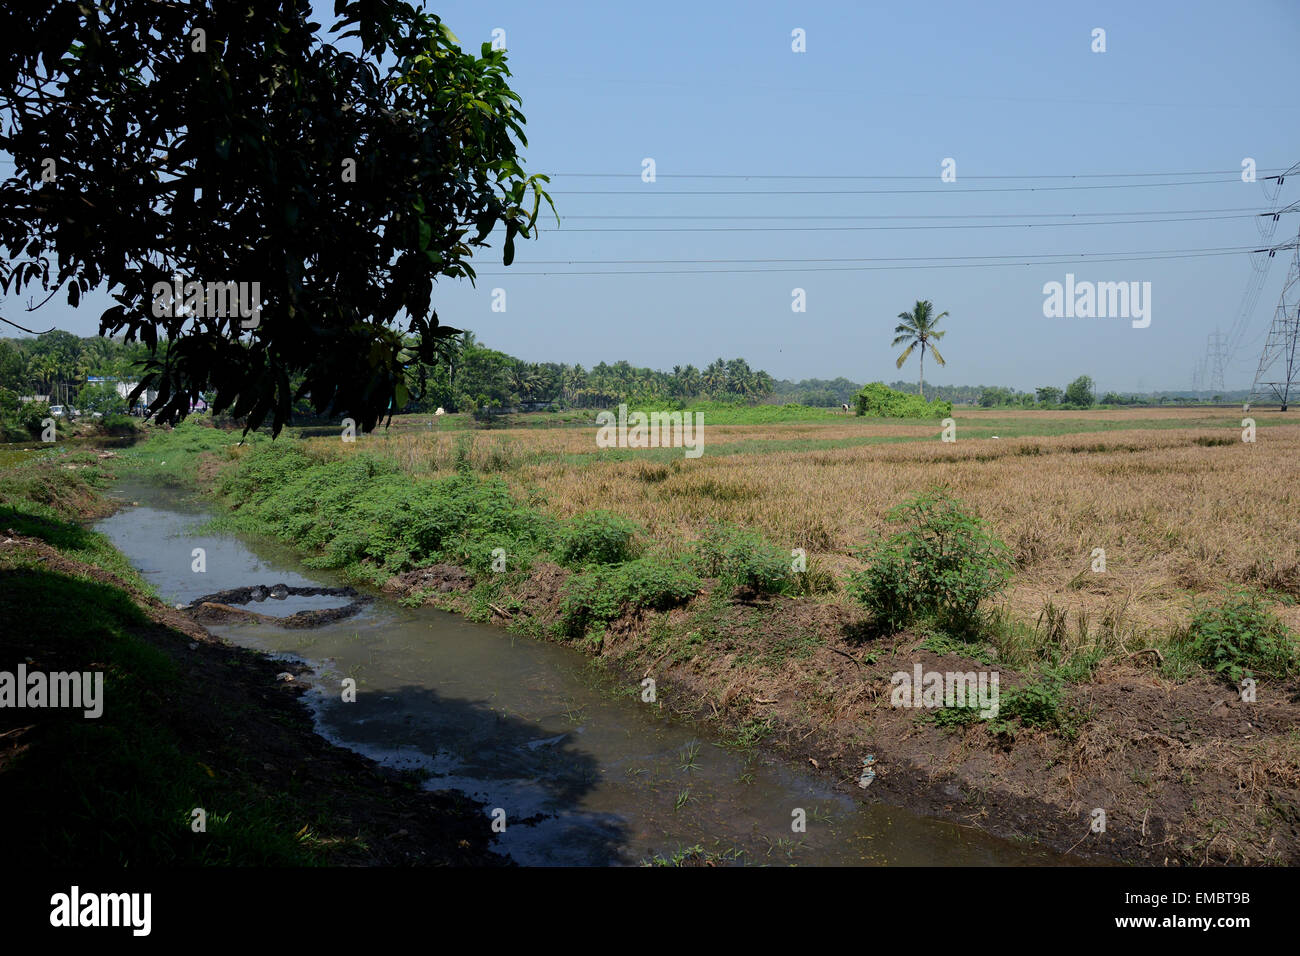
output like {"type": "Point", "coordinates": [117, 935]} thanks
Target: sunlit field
{"type": "Point", "coordinates": [1181, 505]}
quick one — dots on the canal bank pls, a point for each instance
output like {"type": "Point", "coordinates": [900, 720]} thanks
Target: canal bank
{"type": "Point", "coordinates": [572, 767]}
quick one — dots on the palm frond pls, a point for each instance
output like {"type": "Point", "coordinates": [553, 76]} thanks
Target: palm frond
{"type": "Point", "coordinates": [903, 358]}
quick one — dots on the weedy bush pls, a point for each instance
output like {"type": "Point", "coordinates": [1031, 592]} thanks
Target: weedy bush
{"type": "Point", "coordinates": [117, 424]}
{"type": "Point", "coordinates": [1034, 705]}
{"type": "Point", "coordinates": [597, 537]}
{"type": "Point", "coordinates": [880, 401]}
{"type": "Point", "coordinates": [463, 453]}
{"type": "Point", "coordinates": [942, 565]}
{"type": "Point", "coordinates": [739, 557]}
{"type": "Point", "coordinates": [601, 594]}
{"type": "Point", "coordinates": [22, 421]}
{"type": "Point", "coordinates": [817, 578]}
{"type": "Point", "coordinates": [1239, 637]}
{"type": "Point", "coordinates": [365, 510]}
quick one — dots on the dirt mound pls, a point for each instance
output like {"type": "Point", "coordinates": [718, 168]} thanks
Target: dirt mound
{"type": "Point", "coordinates": [442, 578]}
{"type": "Point", "coordinates": [217, 608]}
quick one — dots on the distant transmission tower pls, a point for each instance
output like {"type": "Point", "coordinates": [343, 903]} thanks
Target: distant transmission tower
{"type": "Point", "coordinates": [1279, 369]}
{"type": "Point", "coordinates": [1260, 260]}
{"type": "Point", "coordinates": [1216, 360]}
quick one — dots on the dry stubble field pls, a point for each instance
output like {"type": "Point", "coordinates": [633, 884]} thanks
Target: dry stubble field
{"type": "Point", "coordinates": [1180, 503]}
{"type": "Point", "coordinates": [1183, 507]}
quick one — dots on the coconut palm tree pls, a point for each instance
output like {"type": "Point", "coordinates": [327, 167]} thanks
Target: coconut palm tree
{"type": "Point", "coordinates": [714, 378]}
{"type": "Point", "coordinates": [573, 380]}
{"type": "Point", "coordinates": [919, 327]}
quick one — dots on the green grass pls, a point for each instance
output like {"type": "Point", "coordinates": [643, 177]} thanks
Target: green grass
{"type": "Point", "coordinates": [117, 790]}
{"type": "Point", "coordinates": [126, 785]}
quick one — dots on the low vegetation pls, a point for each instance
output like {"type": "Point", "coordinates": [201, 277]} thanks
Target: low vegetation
{"type": "Point", "coordinates": [186, 722]}
{"type": "Point", "coordinates": [880, 401]}
{"type": "Point", "coordinates": [387, 505]}
{"type": "Point", "coordinates": [942, 565]}
{"type": "Point", "coordinates": [1239, 637]}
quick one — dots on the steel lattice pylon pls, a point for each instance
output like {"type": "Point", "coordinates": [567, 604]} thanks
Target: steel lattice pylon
{"type": "Point", "coordinates": [1279, 370]}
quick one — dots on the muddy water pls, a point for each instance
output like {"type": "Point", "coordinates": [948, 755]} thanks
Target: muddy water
{"type": "Point", "coordinates": [585, 772]}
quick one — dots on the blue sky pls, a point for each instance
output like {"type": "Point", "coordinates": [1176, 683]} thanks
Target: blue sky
{"type": "Point", "coordinates": [1007, 89]}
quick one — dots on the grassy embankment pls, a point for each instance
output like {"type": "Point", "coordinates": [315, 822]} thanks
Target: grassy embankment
{"type": "Point", "coordinates": [188, 721]}
{"type": "Point", "coordinates": [623, 557]}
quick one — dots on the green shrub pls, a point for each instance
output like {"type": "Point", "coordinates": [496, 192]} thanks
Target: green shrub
{"type": "Point", "coordinates": [363, 510]}
{"type": "Point", "coordinates": [21, 421]}
{"type": "Point", "coordinates": [605, 593]}
{"type": "Point", "coordinates": [739, 557]}
{"type": "Point", "coordinates": [597, 537]}
{"type": "Point", "coordinates": [116, 424]}
{"type": "Point", "coordinates": [880, 401]}
{"type": "Point", "coordinates": [817, 578]}
{"type": "Point", "coordinates": [1239, 637]}
{"type": "Point", "coordinates": [959, 716]}
{"type": "Point", "coordinates": [942, 565]}
{"type": "Point", "coordinates": [1034, 705]}
{"type": "Point", "coordinates": [102, 397]}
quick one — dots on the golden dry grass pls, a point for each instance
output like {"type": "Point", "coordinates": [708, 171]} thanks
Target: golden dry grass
{"type": "Point", "coordinates": [1177, 515]}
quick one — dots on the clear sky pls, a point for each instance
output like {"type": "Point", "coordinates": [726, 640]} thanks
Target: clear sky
{"type": "Point", "coordinates": [1009, 90]}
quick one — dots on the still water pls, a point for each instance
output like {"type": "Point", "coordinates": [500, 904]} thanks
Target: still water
{"type": "Point", "coordinates": [586, 773]}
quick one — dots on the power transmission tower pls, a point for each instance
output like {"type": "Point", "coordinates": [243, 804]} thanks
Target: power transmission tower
{"type": "Point", "coordinates": [1266, 223]}
{"type": "Point", "coordinates": [1279, 369]}
{"type": "Point", "coordinates": [1216, 360]}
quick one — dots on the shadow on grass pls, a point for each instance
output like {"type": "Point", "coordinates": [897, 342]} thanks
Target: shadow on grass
{"type": "Point", "coordinates": [188, 725]}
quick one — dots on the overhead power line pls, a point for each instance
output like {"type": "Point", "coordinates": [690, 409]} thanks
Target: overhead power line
{"type": "Point", "coordinates": [876, 192]}
{"type": "Point", "coordinates": [955, 215]}
{"type": "Point", "coordinates": [1045, 255]}
{"type": "Point", "coordinates": [863, 176]}
{"type": "Point", "coordinates": [990, 225]}
{"type": "Point", "coordinates": [1017, 261]}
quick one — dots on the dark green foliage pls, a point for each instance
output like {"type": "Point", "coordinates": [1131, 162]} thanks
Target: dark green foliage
{"type": "Point", "coordinates": [1034, 705]}
{"type": "Point", "coordinates": [604, 593]}
{"type": "Point", "coordinates": [597, 537]}
{"type": "Point", "coordinates": [942, 565]}
{"type": "Point", "coordinates": [1239, 637]}
{"type": "Point", "coordinates": [880, 401]}
{"type": "Point", "coordinates": [227, 162]}
{"type": "Point", "coordinates": [960, 716]}
{"type": "Point", "coordinates": [103, 398]}
{"type": "Point", "coordinates": [21, 421]}
{"type": "Point", "coordinates": [1080, 392]}
{"type": "Point", "coordinates": [363, 510]}
{"type": "Point", "coordinates": [117, 425]}
{"type": "Point", "coordinates": [739, 557]}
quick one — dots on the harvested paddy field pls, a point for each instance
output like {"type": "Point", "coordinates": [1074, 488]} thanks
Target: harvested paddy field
{"type": "Point", "coordinates": [1179, 503]}
{"type": "Point", "coordinates": [1120, 526]}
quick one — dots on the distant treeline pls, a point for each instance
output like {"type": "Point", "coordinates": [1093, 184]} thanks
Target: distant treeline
{"type": "Point", "coordinates": [469, 376]}
{"type": "Point", "coordinates": [1080, 392]}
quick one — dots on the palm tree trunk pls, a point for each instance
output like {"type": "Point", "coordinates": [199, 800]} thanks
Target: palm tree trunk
{"type": "Point", "coordinates": [922, 385]}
